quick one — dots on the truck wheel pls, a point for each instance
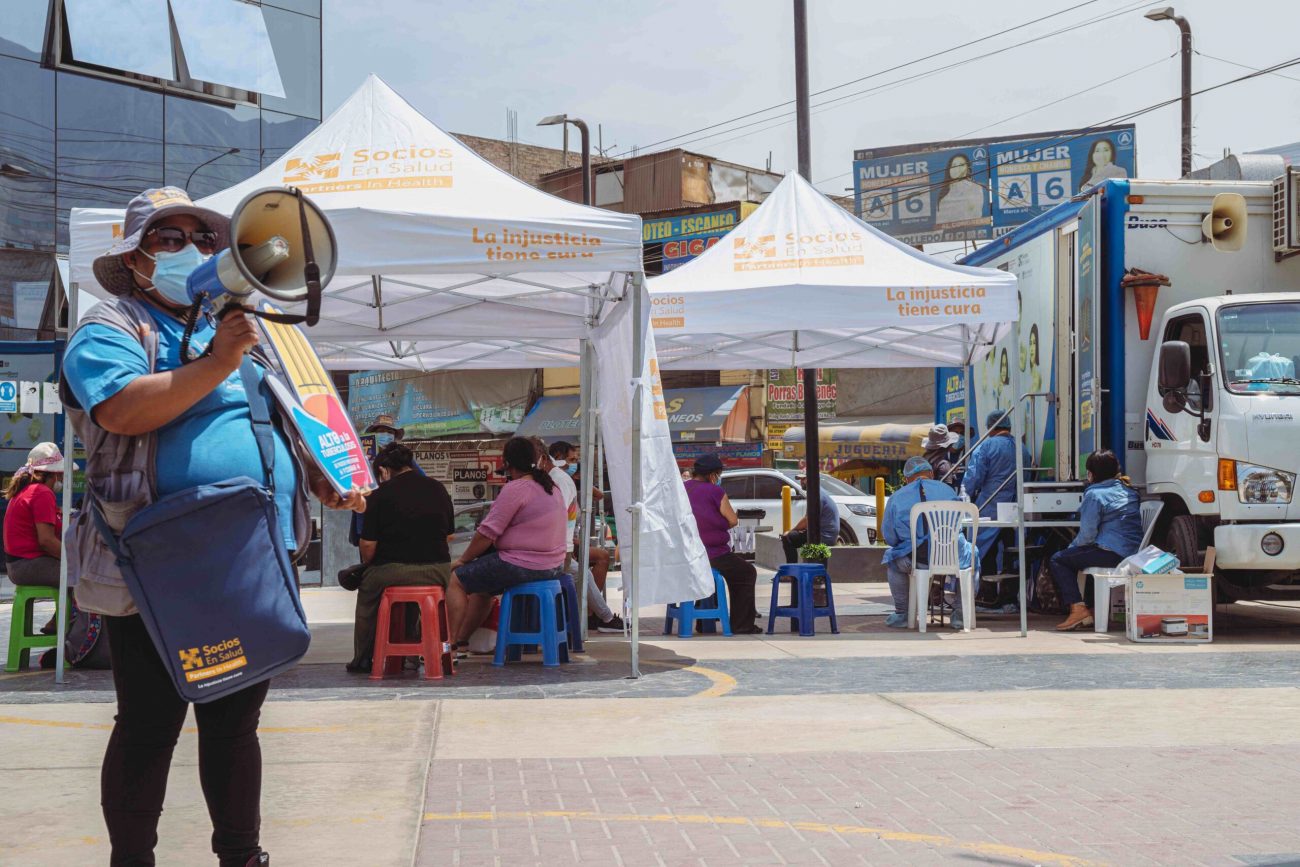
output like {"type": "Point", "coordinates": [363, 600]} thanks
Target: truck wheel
{"type": "Point", "coordinates": [847, 536]}
{"type": "Point", "coordinates": [1184, 541]}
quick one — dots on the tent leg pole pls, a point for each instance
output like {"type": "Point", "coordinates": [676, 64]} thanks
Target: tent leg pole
{"type": "Point", "coordinates": [970, 425]}
{"type": "Point", "coordinates": [585, 446]}
{"type": "Point", "coordinates": [70, 473]}
{"type": "Point", "coordinates": [631, 580]}
{"type": "Point", "coordinates": [1022, 406]}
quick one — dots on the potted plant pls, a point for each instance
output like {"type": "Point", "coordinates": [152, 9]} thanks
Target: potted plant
{"type": "Point", "coordinates": [814, 552]}
{"type": "Point", "coordinates": [817, 553]}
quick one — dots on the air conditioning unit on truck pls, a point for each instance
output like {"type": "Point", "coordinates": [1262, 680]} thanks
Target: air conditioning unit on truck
{"type": "Point", "coordinates": [1189, 369]}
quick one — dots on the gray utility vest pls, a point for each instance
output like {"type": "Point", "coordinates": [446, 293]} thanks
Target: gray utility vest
{"type": "Point", "coordinates": [122, 477]}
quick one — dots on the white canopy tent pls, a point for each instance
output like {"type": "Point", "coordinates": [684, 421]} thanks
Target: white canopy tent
{"type": "Point", "coordinates": [802, 283]}
{"type": "Point", "coordinates": [446, 261]}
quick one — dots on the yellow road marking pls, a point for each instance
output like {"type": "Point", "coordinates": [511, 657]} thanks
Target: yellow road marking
{"type": "Point", "coordinates": [982, 848]}
{"type": "Point", "coordinates": [70, 724]}
{"type": "Point", "coordinates": [722, 683]}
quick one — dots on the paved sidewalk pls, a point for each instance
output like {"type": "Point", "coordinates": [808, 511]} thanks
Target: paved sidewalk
{"type": "Point", "coordinates": [870, 747]}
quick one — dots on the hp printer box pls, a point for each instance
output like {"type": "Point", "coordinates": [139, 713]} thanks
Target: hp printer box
{"type": "Point", "coordinates": [1173, 608]}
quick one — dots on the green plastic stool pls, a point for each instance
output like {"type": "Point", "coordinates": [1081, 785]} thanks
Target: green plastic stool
{"type": "Point", "coordinates": [21, 639]}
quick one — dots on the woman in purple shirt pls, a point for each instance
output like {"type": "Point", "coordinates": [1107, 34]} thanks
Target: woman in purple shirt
{"type": "Point", "coordinates": [527, 528]}
{"type": "Point", "coordinates": [715, 517]}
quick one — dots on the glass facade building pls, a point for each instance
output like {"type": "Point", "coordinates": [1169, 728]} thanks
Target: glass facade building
{"type": "Point", "coordinates": [100, 99]}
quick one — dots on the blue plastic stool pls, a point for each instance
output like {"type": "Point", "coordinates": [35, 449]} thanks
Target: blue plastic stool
{"type": "Point", "coordinates": [530, 616]}
{"type": "Point", "coordinates": [705, 611]}
{"type": "Point", "coordinates": [571, 602]}
{"type": "Point", "coordinates": [802, 612]}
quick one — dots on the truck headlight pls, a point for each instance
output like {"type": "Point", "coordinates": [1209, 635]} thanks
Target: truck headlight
{"type": "Point", "coordinates": [1257, 484]}
{"type": "Point", "coordinates": [861, 510]}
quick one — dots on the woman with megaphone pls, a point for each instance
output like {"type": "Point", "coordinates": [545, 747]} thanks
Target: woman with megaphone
{"type": "Point", "coordinates": [171, 407]}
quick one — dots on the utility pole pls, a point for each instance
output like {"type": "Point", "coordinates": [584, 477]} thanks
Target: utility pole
{"type": "Point", "coordinates": [812, 452]}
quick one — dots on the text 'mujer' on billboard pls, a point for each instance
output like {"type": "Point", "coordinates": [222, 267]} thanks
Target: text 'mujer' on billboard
{"type": "Point", "coordinates": [977, 189]}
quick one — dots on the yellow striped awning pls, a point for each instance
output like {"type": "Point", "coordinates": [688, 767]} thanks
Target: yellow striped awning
{"type": "Point", "coordinates": [881, 442]}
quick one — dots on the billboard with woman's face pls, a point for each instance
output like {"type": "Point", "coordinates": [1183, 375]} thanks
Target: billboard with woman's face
{"type": "Point", "coordinates": [934, 195]}
{"type": "Point", "coordinates": [977, 189]}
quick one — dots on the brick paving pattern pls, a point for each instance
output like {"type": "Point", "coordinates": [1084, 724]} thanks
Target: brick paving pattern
{"type": "Point", "coordinates": [1125, 806]}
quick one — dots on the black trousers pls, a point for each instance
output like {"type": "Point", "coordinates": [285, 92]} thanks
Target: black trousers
{"type": "Point", "coordinates": [740, 576]}
{"type": "Point", "coordinates": [792, 542]}
{"type": "Point", "coordinates": [150, 713]}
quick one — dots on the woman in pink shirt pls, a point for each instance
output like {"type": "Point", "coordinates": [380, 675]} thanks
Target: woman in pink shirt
{"type": "Point", "coordinates": [526, 528]}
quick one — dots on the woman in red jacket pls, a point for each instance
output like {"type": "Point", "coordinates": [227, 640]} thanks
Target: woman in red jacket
{"type": "Point", "coordinates": [33, 527]}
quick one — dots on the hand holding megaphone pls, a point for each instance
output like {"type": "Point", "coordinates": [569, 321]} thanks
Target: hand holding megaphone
{"type": "Point", "coordinates": [277, 238]}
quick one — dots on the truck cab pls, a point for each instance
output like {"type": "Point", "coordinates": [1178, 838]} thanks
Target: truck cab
{"type": "Point", "coordinates": [1222, 439]}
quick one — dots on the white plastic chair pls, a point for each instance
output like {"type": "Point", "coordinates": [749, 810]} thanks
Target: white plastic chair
{"type": "Point", "coordinates": [1103, 584]}
{"type": "Point", "coordinates": [944, 522]}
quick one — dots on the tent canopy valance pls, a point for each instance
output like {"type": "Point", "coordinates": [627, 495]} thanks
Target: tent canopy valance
{"type": "Point", "coordinates": [442, 256]}
{"type": "Point", "coordinates": [803, 283]}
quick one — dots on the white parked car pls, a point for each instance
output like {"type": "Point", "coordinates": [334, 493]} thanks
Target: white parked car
{"type": "Point", "coordinates": [760, 488]}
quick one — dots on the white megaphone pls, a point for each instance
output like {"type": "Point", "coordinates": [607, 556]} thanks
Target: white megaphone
{"type": "Point", "coordinates": [1225, 225]}
{"type": "Point", "coordinates": [280, 245]}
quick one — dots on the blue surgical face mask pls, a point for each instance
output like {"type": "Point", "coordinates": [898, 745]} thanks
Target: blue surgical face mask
{"type": "Point", "coordinates": [383, 439]}
{"type": "Point", "coordinates": [960, 444]}
{"type": "Point", "coordinates": [171, 273]}
{"type": "Point", "coordinates": [571, 469]}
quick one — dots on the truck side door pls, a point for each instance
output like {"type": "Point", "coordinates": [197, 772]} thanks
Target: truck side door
{"type": "Point", "coordinates": [1178, 461]}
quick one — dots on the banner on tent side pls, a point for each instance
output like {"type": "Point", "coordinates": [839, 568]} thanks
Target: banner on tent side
{"type": "Point", "coordinates": [441, 404]}
{"type": "Point", "coordinates": [672, 565]}
{"type": "Point", "coordinates": [978, 189]}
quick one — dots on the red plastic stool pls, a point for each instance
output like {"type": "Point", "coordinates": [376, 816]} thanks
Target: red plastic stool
{"type": "Point", "coordinates": [391, 646]}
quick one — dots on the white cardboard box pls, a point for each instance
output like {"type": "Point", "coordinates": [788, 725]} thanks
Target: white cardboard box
{"type": "Point", "coordinates": [1174, 608]}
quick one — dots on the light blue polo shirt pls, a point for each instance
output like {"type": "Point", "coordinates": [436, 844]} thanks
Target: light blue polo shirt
{"type": "Point", "coordinates": [211, 441]}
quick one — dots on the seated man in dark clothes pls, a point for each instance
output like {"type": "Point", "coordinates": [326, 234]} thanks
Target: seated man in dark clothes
{"type": "Point", "coordinates": [403, 541]}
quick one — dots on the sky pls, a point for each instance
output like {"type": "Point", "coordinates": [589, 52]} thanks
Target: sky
{"type": "Point", "coordinates": [648, 72]}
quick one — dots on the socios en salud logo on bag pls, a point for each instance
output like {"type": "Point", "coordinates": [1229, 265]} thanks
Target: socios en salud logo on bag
{"type": "Point", "coordinates": [211, 660]}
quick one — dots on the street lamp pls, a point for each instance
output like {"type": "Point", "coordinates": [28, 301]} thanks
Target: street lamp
{"type": "Point", "coordinates": [225, 153]}
{"type": "Point", "coordinates": [560, 120]}
{"type": "Point", "coordinates": [9, 170]}
{"type": "Point", "coordinates": [1166, 13]}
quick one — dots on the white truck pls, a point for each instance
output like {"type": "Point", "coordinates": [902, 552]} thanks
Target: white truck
{"type": "Point", "coordinates": [1187, 371]}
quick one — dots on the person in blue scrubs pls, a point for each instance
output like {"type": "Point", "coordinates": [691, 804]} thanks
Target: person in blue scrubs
{"type": "Point", "coordinates": [990, 479]}
{"type": "Point", "coordinates": [896, 527]}
{"type": "Point", "coordinates": [1110, 529]}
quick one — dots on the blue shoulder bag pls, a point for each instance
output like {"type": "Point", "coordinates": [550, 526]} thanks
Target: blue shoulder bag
{"type": "Point", "coordinates": [208, 570]}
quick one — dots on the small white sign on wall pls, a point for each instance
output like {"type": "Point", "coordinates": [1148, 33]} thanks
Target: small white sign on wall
{"type": "Point", "coordinates": [50, 403]}
{"type": "Point", "coordinates": [29, 398]}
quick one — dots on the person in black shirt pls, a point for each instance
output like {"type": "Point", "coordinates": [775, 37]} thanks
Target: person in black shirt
{"type": "Point", "coordinates": [403, 541]}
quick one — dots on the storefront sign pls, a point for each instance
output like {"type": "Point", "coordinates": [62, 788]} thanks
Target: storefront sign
{"type": "Point", "coordinates": [775, 435]}
{"type": "Point", "coordinates": [469, 483]}
{"type": "Point", "coordinates": [732, 454]}
{"type": "Point", "coordinates": [785, 395]}
{"type": "Point", "coordinates": [689, 235]}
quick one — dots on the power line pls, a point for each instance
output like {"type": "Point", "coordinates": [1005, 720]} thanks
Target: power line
{"type": "Point", "coordinates": [842, 100]}
{"type": "Point", "coordinates": [872, 75]}
{"type": "Point", "coordinates": [1241, 65]}
{"type": "Point", "coordinates": [913, 192]}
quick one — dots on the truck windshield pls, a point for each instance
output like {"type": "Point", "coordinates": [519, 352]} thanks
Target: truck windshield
{"type": "Point", "coordinates": [1260, 347]}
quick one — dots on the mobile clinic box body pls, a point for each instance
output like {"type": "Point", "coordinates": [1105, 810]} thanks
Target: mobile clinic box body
{"type": "Point", "coordinates": [1191, 377]}
{"type": "Point", "coordinates": [1172, 608]}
